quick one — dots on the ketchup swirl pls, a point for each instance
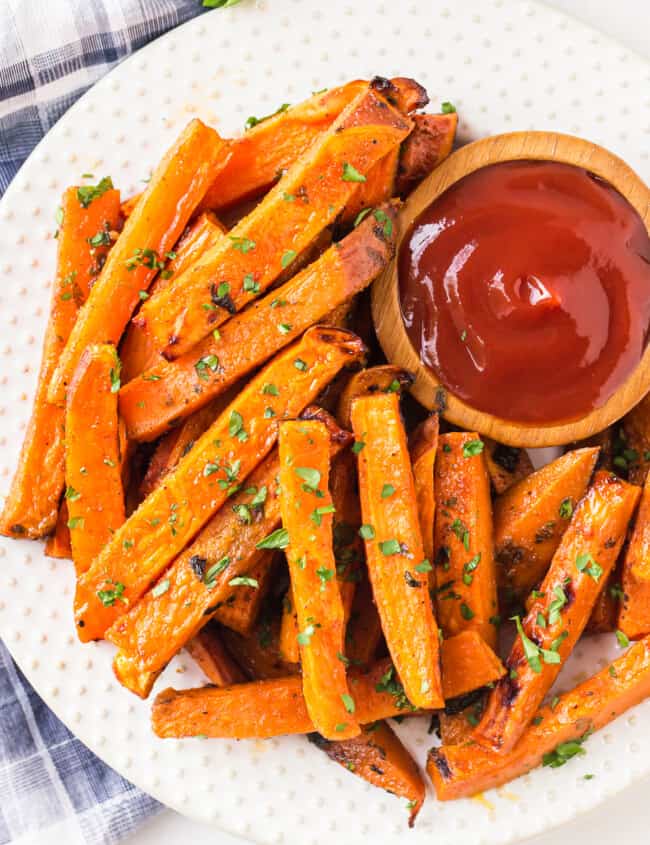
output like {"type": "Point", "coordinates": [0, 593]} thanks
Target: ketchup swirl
{"type": "Point", "coordinates": [526, 289]}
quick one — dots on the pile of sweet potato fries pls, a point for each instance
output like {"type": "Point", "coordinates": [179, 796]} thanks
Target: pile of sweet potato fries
{"type": "Point", "coordinates": [240, 480]}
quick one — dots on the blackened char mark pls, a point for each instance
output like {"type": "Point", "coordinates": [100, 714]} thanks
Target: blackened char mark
{"type": "Point", "coordinates": [437, 756]}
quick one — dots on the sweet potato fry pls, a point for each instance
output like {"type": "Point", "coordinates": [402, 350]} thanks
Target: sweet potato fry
{"type": "Point", "coordinates": [426, 147]}
{"type": "Point", "coordinates": [377, 756]}
{"type": "Point", "coordinates": [559, 613]}
{"type": "Point", "coordinates": [506, 465]}
{"type": "Point", "coordinates": [211, 472]}
{"type": "Point", "coordinates": [307, 508]}
{"type": "Point", "coordinates": [175, 189]}
{"type": "Point", "coordinates": [348, 551]}
{"type": "Point", "coordinates": [58, 544]}
{"type": "Point", "coordinates": [32, 505]}
{"type": "Point", "coordinates": [635, 431]}
{"type": "Point", "coordinates": [158, 626]}
{"type": "Point", "coordinates": [93, 475]}
{"type": "Point", "coordinates": [424, 445]}
{"type": "Point", "coordinates": [364, 633]}
{"type": "Point", "coordinates": [530, 518]}
{"type": "Point", "coordinates": [207, 650]}
{"type": "Point", "coordinates": [287, 220]}
{"type": "Point", "coordinates": [258, 654]}
{"type": "Point", "coordinates": [460, 771]}
{"type": "Point", "coordinates": [136, 350]}
{"type": "Point", "coordinates": [394, 552]}
{"type": "Point", "coordinates": [274, 707]}
{"type": "Point", "coordinates": [634, 616]}
{"type": "Point", "coordinates": [465, 573]}
{"type": "Point", "coordinates": [174, 389]}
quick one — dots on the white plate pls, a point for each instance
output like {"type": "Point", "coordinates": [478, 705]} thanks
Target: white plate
{"type": "Point", "coordinates": [506, 65]}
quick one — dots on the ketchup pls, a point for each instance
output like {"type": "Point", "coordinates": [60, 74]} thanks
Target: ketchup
{"type": "Point", "coordinates": [526, 289]}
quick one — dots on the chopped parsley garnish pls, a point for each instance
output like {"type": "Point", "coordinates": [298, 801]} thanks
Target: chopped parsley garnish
{"type": "Point", "coordinates": [381, 217]}
{"type": "Point", "coordinates": [389, 683]}
{"type": "Point", "coordinates": [533, 653]}
{"type": "Point", "coordinates": [250, 285]}
{"type": "Point", "coordinates": [310, 476]}
{"type": "Point", "coordinates": [461, 532]}
{"type": "Point", "coordinates": [361, 216]}
{"type": "Point", "coordinates": [447, 108]}
{"type": "Point", "coordinates": [244, 513]}
{"type": "Point", "coordinates": [260, 497]}
{"type": "Point", "coordinates": [236, 426]}
{"type": "Point", "coordinates": [101, 238]}
{"type": "Point", "coordinates": [586, 563]}
{"type": "Point", "coordinates": [114, 375]}
{"type": "Point", "coordinates": [287, 258]}
{"type": "Point", "coordinates": [390, 547]}
{"type": "Point", "coordinates": [556, 605]}
{"type": "Point", "coordinates": [115, 592]}
{"type": "Point", "coordinates": [425, 566]}
{"type": "Point", "coordinates": [209, 579]}
{"type": "Point", "coordinates": [243, 245]}
{"type": "Point", "coordinates": [71, 494]}
{"type": "Point", "coordinates": [316, 516]}
{"type": "Point", "coordinates": [76, 522]}
{"type": "Point", "coordinates": [622, 639]}
{"type": "Point", "coordinates": [243, 581]}
{"type": "Point", "coordinates": [466, 612]}
{"type": "Point", "coordinates": [469, 567]}
{"type": "Point", "coordinates": [564, 752]}
{"type": "Point", "coordinates": [367, 532]}
{"type": "Point", "coordinates": [207, 362]}
{"type": "Point", "coordinates": [301, 365]}
{"type": "Point", "coordinates": [284, 328]}
{"type": "Point", "coordinates": [348, 702]}
{"type": "Point", "coordinates": [87, 193]}
{"type": "Point", "coordinates": [566, 508]}
{"type": "Point", "coordinates": [278, 539]}
{"type": "Point", "coordinates": [387, 490]}
{"type": "Point", "coordinates": [270, 390]}
{"type": "Point", "coordinates": [472, 448]}
{"type": "Point", "coordinates": [251, 121]}
{"type": "Point", "coordinates": [351, 174]}
{"type": "Point", "coordinates": [325, 575]}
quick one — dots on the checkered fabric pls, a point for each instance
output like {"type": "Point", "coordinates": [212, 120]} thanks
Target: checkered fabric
{"type": "Point", "coordinates": [52, 788]}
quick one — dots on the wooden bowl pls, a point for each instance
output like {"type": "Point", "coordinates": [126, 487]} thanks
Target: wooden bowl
{"type": "Point", "coordinates": [387, 315]}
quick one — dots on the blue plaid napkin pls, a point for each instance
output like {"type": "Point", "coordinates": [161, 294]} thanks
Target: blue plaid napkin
{"type": "Point", "coordinates": [51, 51]}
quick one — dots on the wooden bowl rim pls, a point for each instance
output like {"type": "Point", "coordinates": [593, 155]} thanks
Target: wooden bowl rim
{"type": "Point", "coordinates": [386, 310]}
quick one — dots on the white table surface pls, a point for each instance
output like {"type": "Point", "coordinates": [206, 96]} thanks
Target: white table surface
{"type": "Point", "coordinates": [628, 21]}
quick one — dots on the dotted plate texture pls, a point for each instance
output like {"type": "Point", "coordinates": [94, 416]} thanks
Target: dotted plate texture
{"type": "Point", "coordinates": [506, 65]}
